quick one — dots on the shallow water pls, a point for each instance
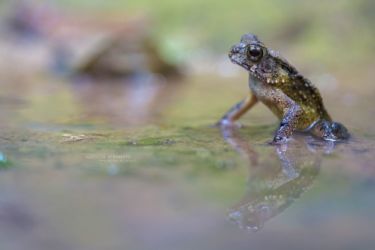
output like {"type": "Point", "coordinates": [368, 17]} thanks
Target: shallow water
{"type": "Point", "coordinates": [136, 165]}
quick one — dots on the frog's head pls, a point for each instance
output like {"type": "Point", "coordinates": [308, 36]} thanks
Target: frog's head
{"type": "Point", "coordinates": [248, 52]}
{"type": "Point", "coordinates": [262, 63]}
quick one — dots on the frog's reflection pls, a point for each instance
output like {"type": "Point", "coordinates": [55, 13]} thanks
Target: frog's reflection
{"type": "Point", "coordinates": [274, 187]}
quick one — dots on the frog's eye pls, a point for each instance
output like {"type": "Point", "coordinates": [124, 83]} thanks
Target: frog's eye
{"type": "Point", "coordinates": [254, 53]}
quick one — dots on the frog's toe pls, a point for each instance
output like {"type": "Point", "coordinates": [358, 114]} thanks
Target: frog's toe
{"type": "Point", "coordinates": [228, 123]}
{"type": "Point", "coordinates": [339, 131]}
{"type": "Point", "coordinates": [279, 140]}
{"type": "Point", "coordinates": [330, 131]}
{"type": "Point", "coordinates": [336, 132]}
{"type": "Point", "coordinates": [216, 125]}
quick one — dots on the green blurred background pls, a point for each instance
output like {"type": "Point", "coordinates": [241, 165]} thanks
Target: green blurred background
{"type": "Point", "coordinates": [329, 32]}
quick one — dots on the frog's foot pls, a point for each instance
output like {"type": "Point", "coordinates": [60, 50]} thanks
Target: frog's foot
{"type": "Point", "coordinates": [279, 140]}
{"type": "Point", "coordinates": [330, 131]}
{"type": "Point", "coordinates": [227, 123]}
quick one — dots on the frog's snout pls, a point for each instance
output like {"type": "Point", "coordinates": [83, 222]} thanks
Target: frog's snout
{"type": "Point", "coordinates": [235, 49]}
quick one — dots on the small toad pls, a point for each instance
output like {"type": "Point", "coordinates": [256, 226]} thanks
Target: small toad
{"type": "Point", "coordinates": [290, 96]}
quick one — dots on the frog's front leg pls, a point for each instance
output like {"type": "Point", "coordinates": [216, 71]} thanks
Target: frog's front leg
{"type": "Point", "coordinates": [288, 123]}
{"type": "Point", "coordinates": [238, 110]}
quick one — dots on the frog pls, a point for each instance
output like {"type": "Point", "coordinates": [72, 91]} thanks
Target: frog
{"type": "Point", "coordinates": [294, 100]}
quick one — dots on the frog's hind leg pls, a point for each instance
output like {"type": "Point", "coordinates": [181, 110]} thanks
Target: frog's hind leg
{"type": "Point", "coordinates": [238, 110]}
{"type": "Point", "coordinates": [330, 131]}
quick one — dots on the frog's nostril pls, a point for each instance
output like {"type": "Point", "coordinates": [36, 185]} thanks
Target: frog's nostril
{"type": "Point", "coordinates": [235, 49]}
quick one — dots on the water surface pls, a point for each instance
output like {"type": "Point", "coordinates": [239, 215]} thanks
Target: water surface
{"type": "Point", "coordinates": [136, 165]}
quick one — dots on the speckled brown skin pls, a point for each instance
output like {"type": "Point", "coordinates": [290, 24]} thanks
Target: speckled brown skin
{"type": "Point", "coordinates": [290, 96]}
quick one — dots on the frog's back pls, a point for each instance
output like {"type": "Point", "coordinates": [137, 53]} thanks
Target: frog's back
{"type": "Point", "coordinates": [299, 89]}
